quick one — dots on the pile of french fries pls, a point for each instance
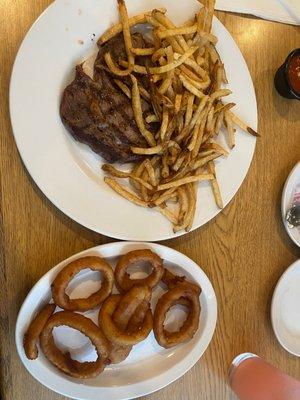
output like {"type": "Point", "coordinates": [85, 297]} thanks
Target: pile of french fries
{"type": "Point", "coordinates": [186, 76]}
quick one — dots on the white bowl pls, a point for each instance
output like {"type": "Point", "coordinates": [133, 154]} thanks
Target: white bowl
{"type": "Point", "coordinates": [292, 180]}
{"type": "Point", "coordinates": [285, 309]}
{"type": "Point", "coordinates": [149, 366]}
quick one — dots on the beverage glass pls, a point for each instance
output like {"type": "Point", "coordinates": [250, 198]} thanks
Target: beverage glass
{"type": "Point", "coordinates": [252, 378]}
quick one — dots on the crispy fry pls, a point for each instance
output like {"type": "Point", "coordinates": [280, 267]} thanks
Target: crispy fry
{"type": "Point", "coordinates": [147, 151]}
{"type": "Point", "coordinates": [242, 124]}
{"type": "Point", "coordinates": [114, 68]}
{"type": "Point", "coordinates": [125, 89]}
{"type": "Point", "coordinates": [183, 30]}
{"type": "Point", "coordinates": [189, 110]}
{"type": "Point", "coordinates": [183, 203]}
{"type": "Point", "coordinates": [139, 69]}
{"type": "Point", "coordinates": [168, 214]}
{"type": "Point", "coordinates": [174, 64]}
{"type": "Point", "coordinates": [121, 190]}
{"type": "Point", "coordinates": [230, 130]}
{"type": "Point", "coordinates": [215, 185]}
{"type": "Point", "coordinates": [151, 172]}
{"type": "Point", "coordinates": [178, 99]}
{"type": "Point", "coordinates": [189, 85]}
{"type": "Point", "coordinates": [164, 20]}
{"type": "Point", "coordinates": [122, 174]}
{"type": "Point", "coordinates": [114, 30]}
{"type": "Point", "coordinates": [137, 109]}
{"type": "Point", "coordinates": [151, 118]}
{"type": "Point", "coordinates": [147, 51]}
{"type": "Point", "coordinates": [164, 124]}
{"type": "Point", "coordinates": [183, 181]}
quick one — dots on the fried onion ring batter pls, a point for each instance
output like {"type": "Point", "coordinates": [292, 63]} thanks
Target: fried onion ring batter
{"type": "Point", "coordinates": [64, 277]}
{"type": "Point", "coordinates": [177, 295]}
{"type": "Point", "coordinates": [63, 361]}
{"type": "Point", "coordinates": [34, 330]}
{"type": "Point", "coordinates": [123, 278]}
{"type": "Point", "coordinates": [122, 333]}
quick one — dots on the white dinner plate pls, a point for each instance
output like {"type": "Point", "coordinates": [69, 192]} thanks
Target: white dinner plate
{"type": "Point", "coordinates": [149, 367]}
{"type": "Point", "coordinates": [286, 201]}
{"type": "Point", "coordinates": [68, 172]}
{"type": "Point", "coordinates": [285, 309]}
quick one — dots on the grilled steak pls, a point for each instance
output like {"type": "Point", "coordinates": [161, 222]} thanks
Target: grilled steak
{"type": "Point", "coordinates": [98, 113]}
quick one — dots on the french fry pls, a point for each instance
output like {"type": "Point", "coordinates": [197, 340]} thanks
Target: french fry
{"type": "Point", "coordinates": [178, 99]}
{"type": "Point", "coordinates": [174, 64]}
{"type": "Point", "coordinates": [169, 76]}
{"type": "Point", "coordinates": [164, 124]}
{"type": "Point", "coordinates": [122, 191]}
{"type": "Point", "coordinates": [199, 111]}
{"type": "Point", "coordinates": [114, 68]}
{"type": "Point", "coordinates": [193, 196]}
{"type": "Point", "coordinates": [230, 130]}
{"type": "Point", "coordinates": [183, 203]}
{"type": "Point", "coordinates": [215, 185]}
{"type": "Point", "coordinates": [189, 110]}
{"type": "Point", "coordinates": [137, 109]}
{"type": "Point", "coordinates": [165, 167]}
{"type": "Point", "coordinates": [165, 196]}
{"type": "Point", "coordinates": [147, 51]}
{"type": "Point", "coordinates": [151, 172]}
{"type": "Point", "coordinates": [239, 122]}
{"type": "Point", "coordinates": [184, 181]}
{"type": "Point", "coordinates": [139, 69]}
{"type": "Point", "coordinates": [168, 214]}
{"type": "Point", "coordinates": [121, 174]}
{"type": "Point", "coordinates": [164, 20]}
{"type": "Point", "coordinates": [151, 118]}
{"type": "Point", "coordinates": [114, 30]}
{"type": "Point", "coordinates": [147, 151]}
{"type": "Point", "coordinates": [190, 86]}
{"type": "Point", "coordinates": [126, 35]}
{"type": "Point", "coordinates": [125, 89]}
{"type": "Point", "coordinates": [183, 30]}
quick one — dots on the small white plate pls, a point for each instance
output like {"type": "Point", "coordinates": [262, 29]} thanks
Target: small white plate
{"type": "Point", "coordinates": [69, 173]}
{"type": "Point", "coordinates": [290, 184]}
{"type": "Point", "coordinates": [285, 309]}
{"type": "Point", "coordinates": [149, 367]}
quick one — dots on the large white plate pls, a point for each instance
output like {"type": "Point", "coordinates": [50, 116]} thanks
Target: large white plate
{"type": "Point", "coordinates": [285, 310]}
{"type": "Point", "coordinates": [149, 366]}
{"type": "Point", "coordinates": [69, 173]}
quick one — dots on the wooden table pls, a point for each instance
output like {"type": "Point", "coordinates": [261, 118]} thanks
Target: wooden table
{"type": "Point", "coordinates": [244, 250]}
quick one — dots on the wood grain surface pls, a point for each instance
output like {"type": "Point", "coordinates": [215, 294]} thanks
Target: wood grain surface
{"type": "Point", "coordinates": [244, 250]}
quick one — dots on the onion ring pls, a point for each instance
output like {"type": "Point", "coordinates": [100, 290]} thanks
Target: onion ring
{"type": "Point", "coordinates": [64, 277]}
{"type": "Point", "coordinates": [34, 330]}
{"type": "Point", "coordinates": [118, 353]}
{"type": "Point", "coordinates": [111, 329]}
{"type": "Point", "coordinates": [129, 314]}
{"type": "Point", "coordinates": [123, 278]}
{"type": "Point", "coordinates": [63, 361]}
{"type": "Point", "coordinates": [174, 296]}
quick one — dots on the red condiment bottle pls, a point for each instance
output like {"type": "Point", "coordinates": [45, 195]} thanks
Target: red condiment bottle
{"type": "Point", "coordinates": [252, 378]}
{"type": "Point", "coordinates": [287, 78]}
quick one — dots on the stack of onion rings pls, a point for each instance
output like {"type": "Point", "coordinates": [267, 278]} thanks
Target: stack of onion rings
{"type": "Point", "coordinates": [122, 308]}
{"type": "Point", "coordinates": [124, 319]}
